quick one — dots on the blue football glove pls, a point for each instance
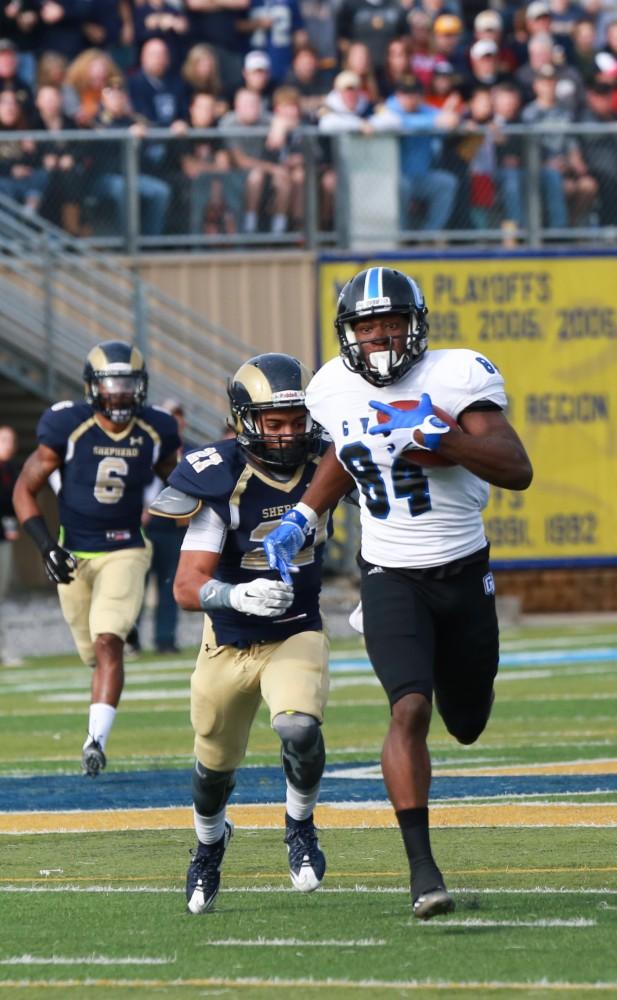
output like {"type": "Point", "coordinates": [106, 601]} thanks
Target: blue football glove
{"type": "Point", "coordinates": [282, 544]}
{"type": "Point", "coordinates": [421, 419]}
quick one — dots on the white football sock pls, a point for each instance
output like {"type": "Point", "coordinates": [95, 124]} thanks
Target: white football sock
{"type": "Point", "coordinates": [100, 722]}
{"type": "Point", "coordinates": [209, 829]}
{"type": "Point", "coordinates": [300, 805]}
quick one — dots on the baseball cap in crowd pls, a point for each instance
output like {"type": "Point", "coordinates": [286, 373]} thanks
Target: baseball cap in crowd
{"type": "Point", "coordinates": [257, 60]}
{"type": "Point", "coordinates": [346, 80]}
{"type": "Point", "coordinates": [448, 24]}
{"type": "Point", "coordinates": [443, 69]}
{"type": "Point", "coordinates": [537, 9]}
{"type": "Point", "coordinates": [606, 64]}
{"type": "Point", "coordinates": [485, 47]}
{"type": "Point", "coordinates": [408, 84]}
{"type": "Point", "coordinates": [488, 20]}
{"type": "Point", "coordinates": [7, 45]}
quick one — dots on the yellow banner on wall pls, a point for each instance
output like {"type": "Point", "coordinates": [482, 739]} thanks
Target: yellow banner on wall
{"type": "Point", "coordinates": [550, 325]}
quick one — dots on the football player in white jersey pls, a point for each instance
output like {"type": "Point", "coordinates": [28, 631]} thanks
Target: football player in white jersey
{"type": "Point", "coordinates": [428, 595]}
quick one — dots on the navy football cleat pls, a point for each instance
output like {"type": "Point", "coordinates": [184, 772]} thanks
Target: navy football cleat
{"type": "Point", "coordinates": [307, 862]}
{"type": "Point", "coordinates": [433, 903]}
{"type": "Point", "coordinates": [93, 759]}
{"type": "Point", "coordinates": [203, 878]}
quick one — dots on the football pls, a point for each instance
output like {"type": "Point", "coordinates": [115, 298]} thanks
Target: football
{"type": "Point", "coordinates": [418, 456]}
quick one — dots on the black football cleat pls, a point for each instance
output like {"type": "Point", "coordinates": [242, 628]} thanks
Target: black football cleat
{"type": "Point", "coordinates": [433, 903]}
{"type": "Point", "coordinates": [203, 878]}
{"type": "Point", "coordinates": [307, 862]}
{"type": "Point", "coordinates": [93, 759]}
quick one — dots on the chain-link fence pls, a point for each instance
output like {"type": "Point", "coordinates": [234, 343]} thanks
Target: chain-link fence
{"type": "Point", "coordinates": [513, 186]}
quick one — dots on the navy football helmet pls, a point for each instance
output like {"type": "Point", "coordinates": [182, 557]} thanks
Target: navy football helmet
{"type": "Point", "coordinates": [372, 292]}
{"type": "Point", "coordinates": [272, 382]}
{"type": "Point", "coordinates": [115, 380]}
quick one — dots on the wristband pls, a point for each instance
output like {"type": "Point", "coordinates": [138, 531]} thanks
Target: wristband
{"type": "Point", "coordinates": [302, 515]}
{"type": "Point", "coordinates": [214, 595]}
{"type": "Point", "coordinates": [39, 533]}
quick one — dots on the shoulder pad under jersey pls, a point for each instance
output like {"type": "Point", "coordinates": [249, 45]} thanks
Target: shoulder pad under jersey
{"type": "Point", "coordinates": [172, 502]}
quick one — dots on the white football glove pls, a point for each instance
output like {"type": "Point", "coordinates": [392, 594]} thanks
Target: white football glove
{"type": "Point", "coordinates": [267, 598]}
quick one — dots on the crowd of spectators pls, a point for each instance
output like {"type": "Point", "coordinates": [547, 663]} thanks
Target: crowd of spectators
{"type": "Point", "coordinates": [463, 70]}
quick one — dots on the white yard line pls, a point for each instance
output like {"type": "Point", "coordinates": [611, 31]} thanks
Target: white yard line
{"type": "Point", "coordinates": [280, 984]}
{"type": "Point", "coordinates": [287, 890]}
{"type": "Point", "coordinates": [85, 960]}
{"type": "Point", "coordinates": [475, 922]}
{"type": "Point", "coordinates": [263, 942]}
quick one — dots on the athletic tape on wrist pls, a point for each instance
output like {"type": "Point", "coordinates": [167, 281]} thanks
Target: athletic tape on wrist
{"type": "Point", "coordinates": [214, 595]}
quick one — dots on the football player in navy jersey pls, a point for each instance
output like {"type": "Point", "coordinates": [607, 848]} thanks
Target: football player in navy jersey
{"type": "Point", "coordinates": [98, 456]}
{"type": "Point", "coordinates": [262, 638]}
{"type": "Point", "coordinates": [428, 595]}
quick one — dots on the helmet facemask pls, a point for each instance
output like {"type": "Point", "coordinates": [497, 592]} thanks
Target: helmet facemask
{"type": "Point", "coordinates": [115, 381]}
{"type": "Point", "coordinates": [385, 366]}
{"type": "Point", "coordinates": [285, 452]}
{"type": "Point", "coordinates": [266, 385]}
{"type": "Point", "coordinates": [381, 291]}
{"type": "Point", "coordinates": [117, 397]}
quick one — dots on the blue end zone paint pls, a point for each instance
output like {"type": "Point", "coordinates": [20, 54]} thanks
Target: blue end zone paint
{"type": "Point", "coordinates": [526, 658]}
{"type": "Point", "coordinates": [258, 785]}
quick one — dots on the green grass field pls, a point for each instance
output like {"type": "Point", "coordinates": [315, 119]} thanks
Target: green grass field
{"type": "Point", "coordinates": [533, 866]}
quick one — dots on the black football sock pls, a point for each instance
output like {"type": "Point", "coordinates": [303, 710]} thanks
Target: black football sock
{"type": "Point", "coordinates": [425, 875]}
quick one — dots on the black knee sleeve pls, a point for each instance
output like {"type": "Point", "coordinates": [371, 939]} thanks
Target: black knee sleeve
{"type": "Point", "coordinates": [211, 789]}
{"type": "Point", "coordinates": [302, 749]}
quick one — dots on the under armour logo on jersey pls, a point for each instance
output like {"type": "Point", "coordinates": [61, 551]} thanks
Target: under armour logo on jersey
{"type": "Point", "coordinates": [136, 440]}
{"type": "Point", "coordinates": [375, 569]}
{"type": "Point", "coordinates": [488, 583]}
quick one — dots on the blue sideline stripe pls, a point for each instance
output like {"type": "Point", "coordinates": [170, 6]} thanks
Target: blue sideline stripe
{"type": "Point", "coordinates": [159, 789]}
{"type": "Point", "coordinates": [526, 658]}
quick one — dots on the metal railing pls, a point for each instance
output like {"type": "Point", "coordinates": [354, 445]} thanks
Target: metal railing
{"type": "Point", "coordinates": [373, 211]}
{"type": "Point", "coordinates": [58, 298]}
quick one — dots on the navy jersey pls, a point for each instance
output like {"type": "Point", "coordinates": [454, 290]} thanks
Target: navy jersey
{"type": "Point", "coordinates": [103, 474]}
{"type": "Point", "coordinates": [251, 504]}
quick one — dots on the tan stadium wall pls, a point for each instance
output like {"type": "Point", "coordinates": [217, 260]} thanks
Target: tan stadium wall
{"type": "Point", "coordinates": [266, 300]}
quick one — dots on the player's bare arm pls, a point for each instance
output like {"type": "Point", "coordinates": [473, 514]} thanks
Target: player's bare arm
{"type": "Point", "coordinates": [330, 484]}
{"type": "Point", "coordinates": [194, 569]}
{"type": "Point", "coordinates": [489, 447]}
{"type": "Point", "coordinates": [33, 477]}
{"type": "Point", "coordinates": [166, 466]}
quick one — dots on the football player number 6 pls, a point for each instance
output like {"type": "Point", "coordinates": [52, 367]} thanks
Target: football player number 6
{"type": "Point", "coordinates": [109, 486]}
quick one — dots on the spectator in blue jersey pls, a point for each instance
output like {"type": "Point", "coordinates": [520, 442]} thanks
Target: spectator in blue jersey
{"type": "Point", "coordinates": [263, 639]}
{"type": "Point", "coordinates": [421, 179]}
{"type": "Point", "coordinates": [159, 96]}
{"type": "Point", "coordinates": [277, 28]}
{"type": "Point", "coordinates": [98, 456]}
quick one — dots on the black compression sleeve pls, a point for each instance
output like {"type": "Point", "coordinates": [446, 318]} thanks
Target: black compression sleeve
{"type": "Point", "coordinates": [39, 533]}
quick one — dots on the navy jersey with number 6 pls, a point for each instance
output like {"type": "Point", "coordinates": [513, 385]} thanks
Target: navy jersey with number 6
{"type": "Point", "coordinates": [250, 503]}
{"type": "Point", "coordinates": [103, 474]}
